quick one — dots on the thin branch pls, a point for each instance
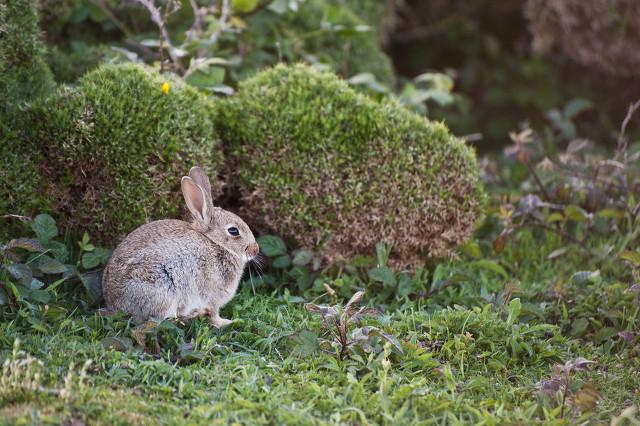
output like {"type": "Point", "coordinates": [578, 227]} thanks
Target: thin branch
{"type": "Point", "coordinates": [543, 190]}
{"type": "Point", "coordinates": [157, 19]}
{"type": "Point", "coordinates": [16, 216]}
{"type": "Point", "coordinates": [224, 21]}
{"type": "Point", "coordinates": [623, 142]}
{"type": "Point", "coordinates": [196, 28]}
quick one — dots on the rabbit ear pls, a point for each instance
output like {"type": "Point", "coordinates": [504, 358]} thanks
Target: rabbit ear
{"type": "Point", "coordinates": [196, 201]}
{"type": "Point", "coordinates": [200, 177]}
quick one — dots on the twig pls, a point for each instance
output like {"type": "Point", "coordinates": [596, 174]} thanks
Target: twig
{"type": "Point", "coordinates": [223, 24]}
{"type": "Point", "coordinates": [623, 142]}
{"type": "Point", "coordinates": [16, 216]}
{"type": "Point", "coordinates": [197, 21]}
{"type": "Point", "coordinates": [538, 182]}
{"type": "Point", "coordinates": [157, 19]}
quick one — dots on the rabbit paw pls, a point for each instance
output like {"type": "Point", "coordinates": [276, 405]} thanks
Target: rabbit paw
{"type": "Point", "coordinates": [218, 322]}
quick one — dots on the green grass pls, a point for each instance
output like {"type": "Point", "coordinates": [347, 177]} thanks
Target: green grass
{"type": "Point", "coordinates": [478, 337]}
{"type": "Point", "coordinates": [461, 364]}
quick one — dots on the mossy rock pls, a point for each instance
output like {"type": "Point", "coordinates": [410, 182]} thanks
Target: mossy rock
{"type": "Point", "coordinates": [113, 148]}
{"type": "Point", "coordinates": [334, 169]}
{"type": "Point", "coordinates": [24, 76]}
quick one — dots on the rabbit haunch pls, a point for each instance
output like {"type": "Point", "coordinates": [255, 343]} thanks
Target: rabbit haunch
{"type": "Point", "coordinates": [171, 268]}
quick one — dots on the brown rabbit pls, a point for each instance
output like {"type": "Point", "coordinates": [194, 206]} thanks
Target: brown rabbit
{"type": "Point", "coordinates": [171, 268]}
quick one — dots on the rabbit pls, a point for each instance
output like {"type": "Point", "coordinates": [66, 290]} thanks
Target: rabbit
{"type": "Point", "coordinates": [172, 268]}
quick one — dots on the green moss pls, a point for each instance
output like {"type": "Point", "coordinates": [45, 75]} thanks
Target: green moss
{"type": "Point", "coordinates": [24, 77]}
{"type": "Point", "coordinates": [115, 146]}
{"type": "Point", "coordinates": [331, 167]}
{"type": "Point", "coordinates": [23, 74]}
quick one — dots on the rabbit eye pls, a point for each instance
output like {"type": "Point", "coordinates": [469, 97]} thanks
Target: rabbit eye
{"type": "Point", "coordinates": [232, 230]}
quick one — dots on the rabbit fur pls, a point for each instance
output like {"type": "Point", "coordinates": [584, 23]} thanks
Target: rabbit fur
{"type": "Point", "coordinates": [171, 268]}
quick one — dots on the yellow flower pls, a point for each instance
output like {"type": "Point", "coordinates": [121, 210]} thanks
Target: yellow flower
{"type": "Point", "coordinates": [165, 88]}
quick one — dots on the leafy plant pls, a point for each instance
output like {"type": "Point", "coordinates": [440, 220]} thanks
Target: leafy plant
{"type": "Point", "coordinates": [576, 192]}
{"type": "Point", "coordinates": [33, 269]}
{"type": "Point", "coordinates": [561, 385]}
{"type": "Point", "coordinates": [338, 324]}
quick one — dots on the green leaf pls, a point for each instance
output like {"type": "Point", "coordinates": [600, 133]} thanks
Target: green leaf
{"type": "Point", "coordinates": [579, 326]}
{"type": "Point", "coordinates": [631, 256]}
{"type": "Point", "coordinates": [187, 354]}
{"type": "Point", "coordinates": [302, 276]}
{"type": "Point", "coordinates": [244, 6]}
{"type": "Point", "coordinates": [557, 253]}
{"type": "Point", "coordinates": [373, 331]}
{"type": "Point", "coordinates": [555, 217]}
{"type": "Point", "coordinates": [307, 342]}
{"type": "Point", "coordinates": [368, 80]}
{"type": "Point", "coordinates": [576, 106]}
{"type": "Point", "coordinates": [102, 254]}
{"type": "Point", "coordinates": [90, 260]}
{"type": "Point", "coordinates": [383, 275]}
{"type": "Point", "coordinates": [35, 284]}
{"type": "Point", "coordinates": [4, 299]}
{"type": "Point", "coordinates": [92, 285]}
{"type": "Point", "coordinates": [586, 277]}
{"type": "Point", "coordinates": [438, 81]}
{"type": "Point", "coordinates": [45, 227]}
{"type": "Point", "coordinates": [121, 344]}
{"type": "Point", "coordinates": [515, 307]}
{"type": "Point", "coordinates": [382, 253]}
{"type": "Point", "coordinates": [206, 77]}
{"type": "Point", "coordinates": [49, 265]}
{"type": "Point", "coordinates": [605, 334]}
{"type": "Point", "coordinates": [405, 286]}
{"type": "Point", "coordinates": [302, 257]}
{"type": "Point", "coordinates": [21, 273]}
{"type": "Point", "coordinates": [575, 213]}
{"type": "Point", "coordinates": [490, 265]}
{"type": "Point", "coordinates": [282, 262]}
{"type": "Point", "coordinates": [279, 7]}
{"type": "Point", "coordinates": [28, 244]}
{"type": "Point", "coordinates": [41, 296]}
{"type": "Point", "coordinates": [272, 246]}
{"type": "Point", "coordinates": [58, 250]}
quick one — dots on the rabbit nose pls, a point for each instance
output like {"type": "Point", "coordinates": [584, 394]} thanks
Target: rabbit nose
{"type": "Point", "coordinates": [252, 249]}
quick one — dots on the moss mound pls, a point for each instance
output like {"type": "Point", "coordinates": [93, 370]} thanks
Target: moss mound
{"type": "Point", "coordinates": [330, 167]}
{"type": "Point", "coordinates": [24, 76]}
{"type": "Point", "coordinates": [113, 148]}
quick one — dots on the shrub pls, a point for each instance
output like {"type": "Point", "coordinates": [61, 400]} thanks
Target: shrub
{"type": "Point", "coordinates": [113, 149]}
{"type": "Point", "coordinates": [327, 32]}
{"type": "Point", "coordinates": [67, 67]}
{"type": "Point", "coordinates": [330, 167]}
{"type": "Point", "coordinates": [344, 43]}
{"type": "Point", "coordinates": [23, 74]}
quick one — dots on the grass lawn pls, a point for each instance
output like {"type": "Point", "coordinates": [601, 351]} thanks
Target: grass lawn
{"type": "Point", "coordinates": [468, 357]}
